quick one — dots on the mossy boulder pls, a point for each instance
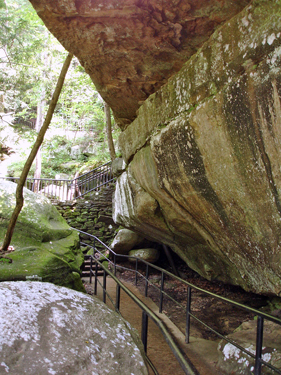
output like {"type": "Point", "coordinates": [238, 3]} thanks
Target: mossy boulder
{"type": "Point", "coordinates": [232, 360]}
{"type": "Point", "coordinates": [44, 243]}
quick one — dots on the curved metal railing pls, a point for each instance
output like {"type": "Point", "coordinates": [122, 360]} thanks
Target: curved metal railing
{"type": "Point", "coordinates": [261, 316]}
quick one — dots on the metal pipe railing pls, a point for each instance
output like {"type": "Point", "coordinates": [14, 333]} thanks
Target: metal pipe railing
{"type": "Point", "coordinates": [261, 315]}
{"type": "Point", "coordinates": [148, 313]}
{"type": "Point", "coordinates": [64, 189]}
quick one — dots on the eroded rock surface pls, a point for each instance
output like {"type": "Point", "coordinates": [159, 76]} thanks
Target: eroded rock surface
{"type": "Point", "coordinates": [47, 329]}
{"type": "Point", "coordinates": [204, 156]}
{"type": "Point", "coordinates": [131, 47]}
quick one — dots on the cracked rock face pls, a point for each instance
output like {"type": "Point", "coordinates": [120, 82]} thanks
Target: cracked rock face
{"type": "Point", "coordinates": [131, 47]}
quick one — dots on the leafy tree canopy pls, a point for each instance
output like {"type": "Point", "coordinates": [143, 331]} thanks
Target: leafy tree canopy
{"type": "Point", "coordinates": [30, 60]}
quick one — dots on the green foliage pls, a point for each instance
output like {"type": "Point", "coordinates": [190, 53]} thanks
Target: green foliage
{"type": "Point", "coordinates": [30, 60]}
{"type": "Point", "coordinates": [15, 168]}
{"type": "Point", "coordinates": [21, 36]}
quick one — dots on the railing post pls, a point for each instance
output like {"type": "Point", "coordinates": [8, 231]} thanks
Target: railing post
{"type": "Point", "coordinates": [136, 275]}
{"type": "Point", "coordinates": [104, 287]}
{"type": "Point", "coordinates": [146, 280]}
{"type": "Point", "coordinates": [117, 303]}
{"type": "Point", "coordinates": [257, 370]}
{"type": "Point", "coordinates": [144, 329]}
{"type": "Point", "coordinates": [114, 262]}
{"type": "Point", "coordinates": [161, 292]}
{"type": "Point", "coordinates": [187, 327]}
{"type": "Point", "coordinates": [91, 269]}
{"type": "Point", "coordinates": [96, 268]}
{"type": "Point", "coordinates": [96, 278]}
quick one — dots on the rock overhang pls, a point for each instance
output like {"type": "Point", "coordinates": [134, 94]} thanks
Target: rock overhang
{"type": "Point", "coordinates": [204, 148]}
{"type": "Point", "coordinates": [131, 47]}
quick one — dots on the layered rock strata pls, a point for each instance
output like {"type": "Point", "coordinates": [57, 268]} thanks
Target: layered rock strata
{"type": "Point", "coordinates": [204, 158]}
{"type": "Point", "coordinates": [203, 154]}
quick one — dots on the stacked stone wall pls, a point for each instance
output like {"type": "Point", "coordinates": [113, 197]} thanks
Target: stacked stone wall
{"type": "Point", "coordinates": [92, 214]}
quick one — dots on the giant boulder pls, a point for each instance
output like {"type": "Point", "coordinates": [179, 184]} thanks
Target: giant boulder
{"type": "Point", "coordinates": [46, 329]}
{"type": "Point", "coordinates": [131, 47]}
{"type": "Point", "coordinates": [45, 245]}
{"type": "Point", "coordinates": [204, 156]}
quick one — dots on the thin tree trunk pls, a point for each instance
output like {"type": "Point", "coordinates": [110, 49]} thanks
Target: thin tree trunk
{"type": "Point", "coordinates": [38, 126]}
{"type": "Point", "coordinates": [39, 122]}
{"type": "Point", "coordinates": [32, 155]}
{"type": "Point", "coordinates": [109, 131]}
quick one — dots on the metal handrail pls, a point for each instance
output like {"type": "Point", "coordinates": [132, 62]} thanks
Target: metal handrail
{"type": "Point", "coordinates": [261, 315]}
{"type": "Point", "coordinates": [146, 312]}
{"type": "Point", "coordinates": [64, 189]}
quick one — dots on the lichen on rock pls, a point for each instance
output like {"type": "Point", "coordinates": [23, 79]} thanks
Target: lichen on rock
{"type": "Point", "coordinates": [47, 329]}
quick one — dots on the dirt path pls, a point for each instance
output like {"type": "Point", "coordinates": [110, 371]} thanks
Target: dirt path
{"type": "Point", "coordinates": [202, 349]}
{"type": "Point", "coordinates": [202, 353]}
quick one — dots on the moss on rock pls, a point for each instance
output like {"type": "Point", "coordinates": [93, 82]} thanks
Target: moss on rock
{"type": "Point", "coordinates": [54, 254]}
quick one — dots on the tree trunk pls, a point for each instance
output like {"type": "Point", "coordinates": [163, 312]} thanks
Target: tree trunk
{"type": "Point", "coordinates": [32, 155]}
{"type": "Point", "coordinates": [39, 122]}
{"type": "Point", "coordinates": [38, 126]}
{"type": "Point", "coordinates": [109, 131]}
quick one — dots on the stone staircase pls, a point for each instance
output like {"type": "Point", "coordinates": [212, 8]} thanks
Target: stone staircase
{"type": "Point", "coordinates": [85, 269]}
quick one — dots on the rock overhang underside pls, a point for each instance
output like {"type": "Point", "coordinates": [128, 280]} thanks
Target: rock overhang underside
{"type": "Point", "coordinates": [131, 47]}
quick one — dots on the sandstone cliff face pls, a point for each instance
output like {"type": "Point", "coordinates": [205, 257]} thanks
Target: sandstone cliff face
{"type": "Point", "coordinates": [204, 156]}
{"type": "Point", "coordinates": [131, 47]}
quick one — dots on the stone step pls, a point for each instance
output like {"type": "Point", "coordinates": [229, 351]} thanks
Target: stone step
{"type": "Point", "coordinates": [87, 273]}
{"type": "Point", "coordinates": [87, 265]}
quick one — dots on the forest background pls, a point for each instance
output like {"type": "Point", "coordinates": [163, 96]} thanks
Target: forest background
{"type": "Point", "coordinates": [30, 62]}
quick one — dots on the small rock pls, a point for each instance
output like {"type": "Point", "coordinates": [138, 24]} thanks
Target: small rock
{"type": "Point", "coordinates": [149, 255]}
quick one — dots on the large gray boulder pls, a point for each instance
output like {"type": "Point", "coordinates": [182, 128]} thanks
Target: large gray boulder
{"type": "Point", "coordinates": [44, 243]}
{"type": "Point", "coordinates": [47, 329]}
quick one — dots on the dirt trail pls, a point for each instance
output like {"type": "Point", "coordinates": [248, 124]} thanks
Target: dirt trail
{"type": "Point", "coordinates": [202, 353]}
